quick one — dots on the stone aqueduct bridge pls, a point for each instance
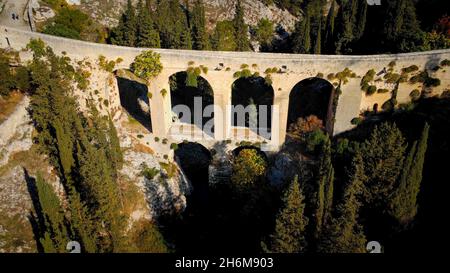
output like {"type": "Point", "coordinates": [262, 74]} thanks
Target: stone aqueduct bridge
{"type": "Point", "coordinates": [297, 68]}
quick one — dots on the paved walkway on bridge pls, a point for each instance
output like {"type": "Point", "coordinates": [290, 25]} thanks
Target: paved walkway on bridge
{"type": "Point", "coordinates": [14, 7]}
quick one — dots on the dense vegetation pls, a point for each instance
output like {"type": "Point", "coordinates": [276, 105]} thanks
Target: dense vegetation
{"type": "Point", "coordinates": [84, 150]}
{"type": "Point", "coordinates": [349, 27]}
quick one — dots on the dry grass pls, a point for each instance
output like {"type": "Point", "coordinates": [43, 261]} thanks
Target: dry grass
{"type": "Point", "coordinates": [132, 197]}
{"type": "Point", "coordinates": [8, 105]}
{"type": "Point", "coordinates": [141, 148]}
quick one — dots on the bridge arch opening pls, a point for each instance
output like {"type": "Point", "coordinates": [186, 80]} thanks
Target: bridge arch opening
{"type": "Point", "coordinates": [252, 99]}
{"type": "Point", "coordinates": [134, 97]}
{"type": "Point", "coordinates": [311, 97]}
{"type": "Point", "coordinates": [195, 159]}
{"type": "Point", "coordinates": [198, 96]}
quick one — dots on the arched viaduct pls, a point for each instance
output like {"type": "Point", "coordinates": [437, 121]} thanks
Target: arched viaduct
{"type": "Point", "coordinates": [222, 65]}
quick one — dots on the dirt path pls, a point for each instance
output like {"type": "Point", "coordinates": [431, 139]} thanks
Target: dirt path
{"type": "Point", "coordinates": [14, 7]}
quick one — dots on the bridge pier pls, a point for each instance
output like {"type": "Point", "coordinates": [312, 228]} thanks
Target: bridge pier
{"type": "Point", "coordinates": [160, 109]}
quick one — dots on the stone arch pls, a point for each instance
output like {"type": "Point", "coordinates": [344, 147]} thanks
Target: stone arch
{"type": "Point", "coordinates": [183, 94]}
{"type": "Point", "coordinates": [195, 159]}
{"type": "Point", "coordinates": [312, 96]}
{"type": "Point", "coordinates": [254, 90]}
{"type": "Point", "coordinates": [134, 96]}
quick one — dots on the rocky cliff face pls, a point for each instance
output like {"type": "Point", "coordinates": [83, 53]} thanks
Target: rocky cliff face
{"type": "Point", "coordinates": [107, 12]}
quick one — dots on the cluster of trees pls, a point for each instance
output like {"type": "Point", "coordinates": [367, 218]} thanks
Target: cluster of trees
{"type": "Point", "coordinates": [351, 26]}
{"type": "Point", "coordinates": [85, 151]}
{"type": "Point", "coordinates": [339, 27]}
{"type": "Point", "coordinates": [170, 25]}
{"type": "Point", "coordinates": [385, 175]}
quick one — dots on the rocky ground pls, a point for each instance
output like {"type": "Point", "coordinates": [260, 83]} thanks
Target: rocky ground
{"type": "Point", "coordinates": [107, 12]}
{"type": "Point", "coordinates": [20, 161]}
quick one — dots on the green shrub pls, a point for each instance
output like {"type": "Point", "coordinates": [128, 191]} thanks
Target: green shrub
{"type": "Point", "coordinates": [415, 94]}
{"type": "Point", "coordinates": [140, 136]}
{"type": "Point", "coordinates": [156, 139]}
{"type": "Point", "coordinates": [62, 31]}
{"type": "Point", "coordinates": [174, 146]}
{"type": "Point", "coordinates": [147, 172]}
{"type": "Point", "coordinates": [382, 90]}
{"type": "Point", "coordinates": [410, 69]}
{"type": "Point", "coordinates": [392, 77]}
{"type": "Point", "coordinates": [147, 65]}
{"type": "Point", "coordinates": [432, 82]}
{"type": "Point", "coordinates": [445, 62]}
{"type": "Point", "coordinates": [389, 105]}
{"type": "Point", "coordinates": [22, 79]}
{"type": "Point", "coordinates": [164, 141]}
{"type": "Point", "coordinates": [372, 89]}
{"type": "Point", "coordinates": [421, 77]}
{"type": "Point", "coordinates": [315, 139]}
{"type": "Point", "coordinates": [367, 79]}
{"type": "Point", "coordinates": [356, 121]}
{"type": "Point", "coordinates": [268, 79]}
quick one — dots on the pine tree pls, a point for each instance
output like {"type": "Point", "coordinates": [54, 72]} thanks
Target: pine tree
{"type": "Point", "coordinates": [383, 155]}
{"type": "Point", "coordinates": [240, 28]}
{"type": "Point", "coordinates": [290, 224]}
{"type": "Point", "coordinates": [343, 233]}
{"type": "Point", "coordinates": [147, 36]}
{"type": "Point", "coordinates": [198, 26]}
{"type": "Point", "coordinates": [401, 27]}
{"type": "Point", "coordinates": [403, 206]}
{"type": "Point", "coordinates": [325, 188]}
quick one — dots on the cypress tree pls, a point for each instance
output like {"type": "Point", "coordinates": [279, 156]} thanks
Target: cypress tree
{"type": "Point", "coordinates": [115, 153]}
{"type": "Point", "coordinates": [345, 27]}
{"type": "Point", "coordinates": [403, 206]}
{"type": "Point", "coordinates": [343, 233]}
{"type": "Point", "coordinates": [85, 154]}
{"type": "Point", "coordinates": [198, 26]}
{"type": "Point", "coordinates": [329, 28]}
{"type": "Point", "coordinates": [361, 19]}
{"type": "Point", "coordinates": [130, 25]}
{"type": "Point", "coordinates": [325, 188]}
{"type": "Point", "coordinates": [302, 36]}
{"type": "Point", "coordinates": [147, 36]}
{"type": "Point", "coordinates": [318, 45]}
{"type": "Point", "coordinates": [290, 224]}
{"type": "Point", "coordinates": [223, 38]}
{"type": "Point", "coordinates": [240, 29]}
{"type": "Point", "coordinates": [54, 234]}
